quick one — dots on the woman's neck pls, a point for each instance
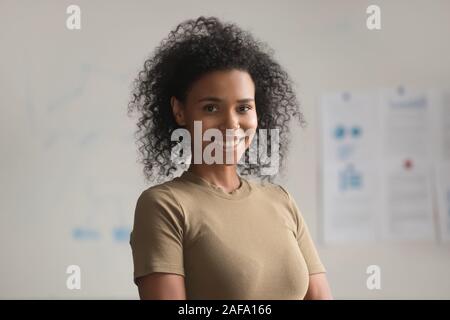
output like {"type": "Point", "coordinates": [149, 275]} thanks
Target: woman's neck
{"type": "Point", "coordinates": [223, 176]}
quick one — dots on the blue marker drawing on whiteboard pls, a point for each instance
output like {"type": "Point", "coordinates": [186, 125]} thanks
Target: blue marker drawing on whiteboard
{"type": "Point", "coordinates": [85, 233]}
{"type": "Point", "coordinates": [121, 234]}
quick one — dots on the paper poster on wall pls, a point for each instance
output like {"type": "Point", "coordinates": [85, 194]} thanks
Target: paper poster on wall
{"type": "Point", "coordinates": [441, 125]}
{"type": "Point", "coordinates": [377, 161]}
{"type": "Point", "coordinates": [406, 166]}
{"type": "Point", "coordinates": [349, 150]}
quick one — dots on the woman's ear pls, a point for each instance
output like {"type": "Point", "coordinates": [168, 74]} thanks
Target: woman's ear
{"type": "Point", "coordinates": [178, 111]}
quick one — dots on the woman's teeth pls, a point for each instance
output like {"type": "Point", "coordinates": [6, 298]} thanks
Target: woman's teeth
{"type": "Point", "coordinates": [230, 144]}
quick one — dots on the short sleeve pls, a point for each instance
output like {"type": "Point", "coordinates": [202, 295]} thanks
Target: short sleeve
{"type": "Point", "coordinates": [304, 239]}
{"type": "Point", "coordinates": [157, 236]}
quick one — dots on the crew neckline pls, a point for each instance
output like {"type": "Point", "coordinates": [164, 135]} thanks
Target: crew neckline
{"type": "Point", "coordinates": [241, 192]}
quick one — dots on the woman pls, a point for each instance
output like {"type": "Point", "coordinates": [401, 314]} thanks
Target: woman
{"type": "Point", "coordinates": [210, 233]}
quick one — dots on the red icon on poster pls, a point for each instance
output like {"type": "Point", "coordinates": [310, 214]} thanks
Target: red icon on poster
{"type": "Point", "coordinates": [408, 164]}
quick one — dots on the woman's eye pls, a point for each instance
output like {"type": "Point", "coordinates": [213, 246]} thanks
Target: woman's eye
{"type": "Point", "coordinates": [244, 108]}
{"type": "Point", "coordinates": [209, 107]}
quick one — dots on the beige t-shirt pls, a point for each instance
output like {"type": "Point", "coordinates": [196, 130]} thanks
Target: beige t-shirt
{"type": "Point", "coordinates": [252, 243]}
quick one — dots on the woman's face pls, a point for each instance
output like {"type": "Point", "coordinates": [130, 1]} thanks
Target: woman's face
{"type": "Point", "coordinates": [221, 100]}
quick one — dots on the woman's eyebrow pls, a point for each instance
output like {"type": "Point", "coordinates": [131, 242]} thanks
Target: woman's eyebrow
{"type": "Point", "coordinates": [215, 99]}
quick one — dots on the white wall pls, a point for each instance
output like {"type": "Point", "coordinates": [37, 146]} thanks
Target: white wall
{"type": "Point", "coordinates": [68, 155]}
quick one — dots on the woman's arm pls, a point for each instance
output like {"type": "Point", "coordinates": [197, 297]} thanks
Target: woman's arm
{"type": "Point", "coordinates": [318, 288]}
{"type": "Point", "coordinates": [161, 286]}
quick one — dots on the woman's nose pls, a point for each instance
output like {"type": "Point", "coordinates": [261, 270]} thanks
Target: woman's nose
{"type": "Point", "coordinates": [231, 122]}
{"type": "Point", "coordinates": [231, 130]}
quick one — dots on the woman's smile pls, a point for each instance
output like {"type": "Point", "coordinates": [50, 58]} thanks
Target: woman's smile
{"type": "Point", "coordinates": [230, 144]}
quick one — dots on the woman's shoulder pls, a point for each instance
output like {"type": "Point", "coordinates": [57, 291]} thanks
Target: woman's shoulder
{"type": "Point", "coordinates": [270, 189]}
{"type": "Point", "coordinates": [175, 182]}
{"type": "Point", "coordinates": [161, 192]}
{"type": "Point", "coordinates": [158, 200]}
{"type": "Point", "coordinates": [165, 192]}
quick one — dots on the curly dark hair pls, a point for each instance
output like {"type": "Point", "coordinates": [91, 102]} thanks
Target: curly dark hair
{"type": "Point", "coordinates": [193, 49]}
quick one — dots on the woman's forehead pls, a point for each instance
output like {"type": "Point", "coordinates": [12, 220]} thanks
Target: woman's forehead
{"type": "Point", "coordinates": [223, 85]}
